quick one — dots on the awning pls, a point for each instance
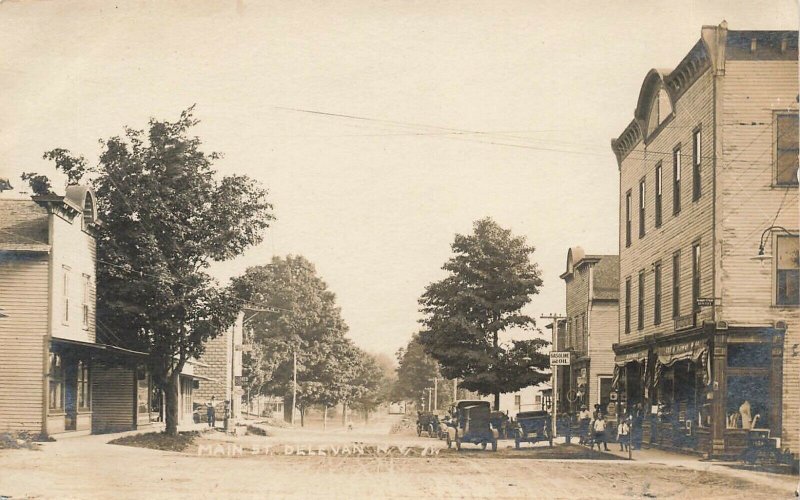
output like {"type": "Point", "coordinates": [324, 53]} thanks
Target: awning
{"type": "Point", "coordinates": [198, 377]}
{"type": "Point", "coordinates": [98, 348]}
{"type": "Point", "coordinates": [692, 350]}
{"type": "Point", "coordinates": [630, 357]}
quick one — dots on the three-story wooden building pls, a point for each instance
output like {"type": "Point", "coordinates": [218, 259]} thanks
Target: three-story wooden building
{"type": "Point", "coordinates": [708, 334]}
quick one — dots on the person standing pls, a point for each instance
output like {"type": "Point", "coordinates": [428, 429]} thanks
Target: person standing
{"type": "Point", "coordinates": [599, 432]}
{"type": "Point", "coordinates": [636, 426]}
{"type": "Point", "coordinates": [584, 417]}
{"type": "Point", "coordinates": [623, 434]}
{"type": "Point", "coordinates": [211, 413]}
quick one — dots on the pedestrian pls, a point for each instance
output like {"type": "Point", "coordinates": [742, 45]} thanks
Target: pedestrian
{"type": "Point", "coordinates": [583, 419]}
{"type": "Point", "coordinates": [623, 433]}
{"type": "Point", "coordinates": [211, 413]}
{"type": "Point", "coordinates": [599, 432]}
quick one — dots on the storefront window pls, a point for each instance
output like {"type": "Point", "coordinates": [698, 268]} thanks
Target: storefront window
{"type": "Point", "coordinates": [749, 354]}
{"type": "Point", "coordinates": [56, 384]}
{"type": "Point", "coordinates": [748, 403]}
{"type": "Point", "coordinates": [84, 389]}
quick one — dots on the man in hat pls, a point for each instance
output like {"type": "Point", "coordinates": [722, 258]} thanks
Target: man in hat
{"type": "Point", "coordinates": [584, 417]}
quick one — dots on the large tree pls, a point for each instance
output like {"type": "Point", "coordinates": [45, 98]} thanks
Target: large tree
{"type": "Point", "coordinates": [490, 279]}
{"type": "Point", "coordinates": [166, 215]}
{"type": "Point", "coordinates": [301, 319]}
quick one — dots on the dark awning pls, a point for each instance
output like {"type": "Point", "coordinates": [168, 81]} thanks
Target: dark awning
{"type": "Point", "coordinates": [98, 348]}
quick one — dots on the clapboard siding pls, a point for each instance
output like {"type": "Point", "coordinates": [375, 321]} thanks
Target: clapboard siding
{"type": "Point", "coordinates": [112, 399]}
{"type": "Point", "coordinates": [75, 249]}
{"type": "Point", "coordinates": [677, 232]}
{"type": "Point", "coordinates": [23, 298]}
{"type": "Point", "coordinates": [750, 203]}
{"type": "Point", "coordinates": [753, 90]}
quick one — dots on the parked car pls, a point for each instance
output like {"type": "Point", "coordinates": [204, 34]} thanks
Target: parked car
{"type": "Point", "coordinates": [470, 424]}
{"type": "Point", "coordinates": [427, 422]}
{"type": "Point", "coordinates": [533, 426]}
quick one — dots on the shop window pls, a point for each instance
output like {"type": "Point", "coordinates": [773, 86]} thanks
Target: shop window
{"type": "Point", "coordinates": [749, 355]}
{"type": "Point", "coordinates": [786, 154]}
{"type": "Point", "coordinates": [676, 181]}
{"type": "Point", "coordinates": [787, 271]}
{"type": "Point", "coordinates": [659, 191]}
{"type": "Point", "coordinates": [748, 401]}
{"type": "Point", "coordinates": [84, 386]}
{"type": "Point", "coordinates": [56, 384]}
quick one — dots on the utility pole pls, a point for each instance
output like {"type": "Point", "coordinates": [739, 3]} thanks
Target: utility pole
{"type": "Point", "coordinates": [429, 390]}
{"type": "Point", "coordinates": [554, 317]}
{"type": "Point", "coordinates": [294, 383]}
{"type": "Point", "coordinates": [435, 381]}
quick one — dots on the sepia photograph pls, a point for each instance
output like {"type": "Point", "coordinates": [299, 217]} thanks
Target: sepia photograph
{"type": "Point", "coordinates": [363, 249]}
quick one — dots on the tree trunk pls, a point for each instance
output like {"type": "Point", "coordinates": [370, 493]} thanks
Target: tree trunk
{"type": "Point", "coordinates": [325, 418]}
{"type": "Point", "coordinates": [302, 416]}
{"type": "Point", "coordinates": [172, 402]}
{"type": "Point", "coordinates": [496, 401]}
{"type": "Point", "coordinates": [344, 414]}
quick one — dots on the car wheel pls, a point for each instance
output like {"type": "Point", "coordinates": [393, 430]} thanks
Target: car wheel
{"type": "Point", "coordinates": [494, 445]}
{"type": "Point", "coordinates": [449, 442]}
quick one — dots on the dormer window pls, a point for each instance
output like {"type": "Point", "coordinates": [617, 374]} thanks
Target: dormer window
{"type": "Point", "coordinates": [660, 110]}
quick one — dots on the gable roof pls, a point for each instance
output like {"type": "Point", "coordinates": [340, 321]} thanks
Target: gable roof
{"type": "Point", "coordinates": [23, 226]}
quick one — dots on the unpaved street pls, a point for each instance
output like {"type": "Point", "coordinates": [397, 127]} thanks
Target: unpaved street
{"type": "Point", "coordinates": [89, 468]}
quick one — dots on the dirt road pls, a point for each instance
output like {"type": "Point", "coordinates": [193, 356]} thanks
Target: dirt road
{"type": "Point", "coordinates": [90, 468]}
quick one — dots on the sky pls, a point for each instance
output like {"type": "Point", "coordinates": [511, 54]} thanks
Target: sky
{"type": "Point", "coordinates": [380, 128]}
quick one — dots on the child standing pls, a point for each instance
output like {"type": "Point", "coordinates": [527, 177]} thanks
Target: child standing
{"type": "Point", "coordinates": [623, 434]}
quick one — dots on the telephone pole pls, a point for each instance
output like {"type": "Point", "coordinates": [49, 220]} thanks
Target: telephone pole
{"type": "Point", "coordinates": [435, 381]}
{"type": "Point", "coordinates": [554, 317]}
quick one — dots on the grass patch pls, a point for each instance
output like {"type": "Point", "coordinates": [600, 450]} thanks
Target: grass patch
{"type": "Point", "coordinates": [158, 441]}
{"type": "Point", "coordinates": [21, 440]}
{"type": "Point", "coordinates": [256, 431]}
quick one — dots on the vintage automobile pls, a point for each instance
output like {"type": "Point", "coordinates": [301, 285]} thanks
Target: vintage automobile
{"type": "Point", "coordinates": [470, 424]}
{"type": "Point", "coordinates": [428, 422]}
{"type": "Point", "coordinates": [533, 426]}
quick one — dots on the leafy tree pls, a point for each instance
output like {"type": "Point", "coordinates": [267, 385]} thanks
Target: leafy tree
{"type": "Point", "coordinates": [372, 384]}
{"type": "Point", "coordinates": [491, 278]}
{"type": "Point", "coordinates": [415, 371]}
{"type": "Point", "coordinates": [305, 320]}
{"type": "Point", "coordinates": [166, 216]}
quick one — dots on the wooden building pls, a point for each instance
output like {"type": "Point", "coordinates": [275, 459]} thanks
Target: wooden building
{"type": "Point", "coordinates": [55, 377]}
{"type": "Point", "coordinates": [590, 330]}
{"type": "Point", "coordinates": [708, 334]}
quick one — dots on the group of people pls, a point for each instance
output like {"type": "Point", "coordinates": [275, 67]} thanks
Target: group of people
{"type": "Point", "coordinates": [593, 428]}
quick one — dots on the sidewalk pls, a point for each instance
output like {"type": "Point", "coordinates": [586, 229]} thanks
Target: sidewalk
{"type": "Point", "coordinates": [652, 456]}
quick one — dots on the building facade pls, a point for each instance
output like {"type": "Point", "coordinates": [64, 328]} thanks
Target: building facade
{"type": "Point", "coordinates": [55, 377]}
{"type": "Point", "coordinates": [590, 330]}
{"type": "Point", "coordinates": [220, 369]}
{"type": "Point", "coordinates": [708, 334]}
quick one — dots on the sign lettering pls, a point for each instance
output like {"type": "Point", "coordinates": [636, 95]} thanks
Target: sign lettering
{"type": "Point", "coordinates": [559, 358]}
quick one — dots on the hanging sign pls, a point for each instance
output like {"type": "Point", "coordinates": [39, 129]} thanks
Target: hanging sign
{"type": "Point", "coordinates": [559, 358]}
